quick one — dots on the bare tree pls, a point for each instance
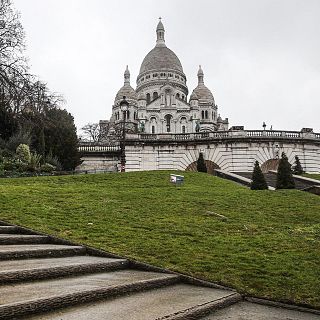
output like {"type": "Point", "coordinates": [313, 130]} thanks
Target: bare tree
{"type": "Point", "coordinates": [91, 132]}
{"type": "Point", "coordinates": [12, 60]}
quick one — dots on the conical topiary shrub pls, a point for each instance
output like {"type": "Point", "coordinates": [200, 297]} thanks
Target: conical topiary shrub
{"type": "Point", "coordinates": [258, 180]}
{"type": "Point", "coordinates": [297, 168]}
{"type": "Point", "coordinates": [201, 165]}
{"type": "Point", "coordinates": [284, 175]}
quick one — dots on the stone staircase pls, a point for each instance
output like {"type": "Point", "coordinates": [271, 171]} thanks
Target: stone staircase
{"type": "Point", "coordinates": [43, 277]}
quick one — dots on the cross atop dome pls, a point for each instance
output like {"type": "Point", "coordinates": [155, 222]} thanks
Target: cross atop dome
{"type": "Point", "coordinates": [127, 76]}
{"type": "Point", "coordinates": [160, 33]}
{"type": "Point", "coordinates": [200, 75]}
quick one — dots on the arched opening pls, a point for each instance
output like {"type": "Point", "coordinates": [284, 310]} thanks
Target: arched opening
{"type": "Point", "coordinates": [183, 122]}
{"type": "Point", "coordinates": [206, 114]}
{"type": "Point", "coordinates": [148, 98]}
{"type": "Point", "coordinates": [211, 166]}
{"type": "Point", "coordinates": [178, 95]}
{"type": "Point", "coordinates": [153, 125]}
{"type": "Point", "coordinates": [202, 114]}
{"type": "Point", "coordinates": [155, 95]}
{"type": "Point", "coordinates": [271, 164]}
{"type": "Point", "coordinates": [168, 118]}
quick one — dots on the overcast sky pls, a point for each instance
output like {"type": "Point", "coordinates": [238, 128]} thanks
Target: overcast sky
{"type": "Point", "coordinates": [261, 58]}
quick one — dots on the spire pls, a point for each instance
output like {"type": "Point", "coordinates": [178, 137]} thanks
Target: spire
{"type": "Point", "coordinates": [160, 33]}
{"type": "Point", "coordinates": [127, 76]}
{"type": "Point", "coordinates": [200, 75]}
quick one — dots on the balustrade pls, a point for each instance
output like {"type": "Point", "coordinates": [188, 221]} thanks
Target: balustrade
{"type": "Point", "coordinates": [217, 135]}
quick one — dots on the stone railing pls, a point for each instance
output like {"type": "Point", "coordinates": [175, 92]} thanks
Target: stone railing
{"type": "Point", "coordinates": [218, 135]}
{"type": "Point", "coordinates": [201, 136]}
{"type": "Point", "coordinates": [98, 148]}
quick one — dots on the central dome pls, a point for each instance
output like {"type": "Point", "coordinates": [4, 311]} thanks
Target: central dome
{"type": "Point", "coordinates": [161, 57]}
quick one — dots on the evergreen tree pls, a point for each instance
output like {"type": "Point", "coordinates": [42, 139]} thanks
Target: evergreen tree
{"type": "Point", "coordinates": [258, 180]}
{"type": "Point", "coordinates": [61, 138]}
{"type": "Point", "coordinates": [297, 169]}
{"type": "Point", "coordinates": [284, 175]}
{"type": "Point", "coordinates": [8, 124]}
{"type": "Point", "coordinates": [201, 165]}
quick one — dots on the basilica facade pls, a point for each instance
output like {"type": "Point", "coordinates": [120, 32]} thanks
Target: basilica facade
{"type": "Point", "coordinates": [159, 104]}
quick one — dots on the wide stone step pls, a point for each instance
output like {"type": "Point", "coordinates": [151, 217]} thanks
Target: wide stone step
{"type": "Point", "coordinates": [8, 229]}
{"type": "Point", "coordinates": [180, 301]}
{"type": "Point", "coordinates": [22, 239]}
{"type": "Point", "coordinates": [254, 311]}
{"type": "Point", "coordinates": [35, 269]}
{"type": "Point", "coordinates": [20, 251]}
{"type": "Point", "coordinates": [26, 298]}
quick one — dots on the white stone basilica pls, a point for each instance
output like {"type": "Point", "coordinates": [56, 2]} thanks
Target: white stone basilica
{"type": "Point", "coordinates": [159, 104]}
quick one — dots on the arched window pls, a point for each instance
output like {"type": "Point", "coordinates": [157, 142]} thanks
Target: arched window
{"type": "Point", "coordinates": [182, 97]}
{"type": "Point", "coordinates": [206, 114]}
{"type": "Point", "coordinates": [183, 129]}
{"type": "Point", "coordinates": [178, 95]}
{"type": "Point", "coordinates": [148, 98]}
{"type": "Point", "coordinates": [202, 114]}
{"type": "Point", "coordinates": [168, 118]}
{"type": "Point", "coordinates": [155, 95]}
{"type": "Point", "coordinates": [153, 129]}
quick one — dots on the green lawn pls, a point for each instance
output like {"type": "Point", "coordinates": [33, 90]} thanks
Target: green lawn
{"type": "Point", "coordinates": [312, 175]}
{"type": "Point", "coordinates": [269, 246]}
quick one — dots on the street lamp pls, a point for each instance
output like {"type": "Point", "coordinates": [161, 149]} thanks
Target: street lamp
{"type": "Point", "coordinates": [264, 125]}
{"type": "Point", "coordinates": [124, 106]}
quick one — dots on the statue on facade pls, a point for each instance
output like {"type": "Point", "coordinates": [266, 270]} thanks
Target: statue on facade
{"type": "Point", "coordinates": [197, 126]}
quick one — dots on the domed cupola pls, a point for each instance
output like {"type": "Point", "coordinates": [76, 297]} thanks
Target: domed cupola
{"type": "Point", "coordinates": [193, 96]}
{"type": "Point", "coordinates": [161, 65]}
{"type": "Point", "coordinates": [202, 92]}
{"type": "Point", "coordinates": [126, 91]}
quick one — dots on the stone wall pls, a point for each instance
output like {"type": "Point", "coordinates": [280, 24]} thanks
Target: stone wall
{"type": "Point", "coordinates": [231, 151]}
{"type": "Point", "coordinates": [233, 157]}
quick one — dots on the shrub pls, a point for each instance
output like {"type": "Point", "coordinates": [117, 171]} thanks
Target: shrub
{"type": "Point", "coordinates": [10, 165]}
{"type": "Point", "coordinates": [53, 160]}
{"type": "Point", "coordinates": [23, 153]}
{"type": "Point", "coordinates": [284, 175]}
{"type": "Point", "coordinates": [297, 168]}
{"type": "Point", "coordinates": [48, 168]}
{"type": "Point", "coordinates": [258, 179]}
{"type": "Point", "coordinates": [34, 163]}
{"type": "Point", "coordinates": [20, 137]}
{"type": "Point", "coordinates": [201, 165]}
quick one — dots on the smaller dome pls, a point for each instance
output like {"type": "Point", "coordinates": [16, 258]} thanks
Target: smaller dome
{"type": "Point", "coordinates": [201, 90]}
{"type": "Point", "coordinates": [126, 91]}
{"type": "Point", "coordinates": [203, 93]}
{"type": "Point", "coordinates": [141, 96]}
{"type": "Point", "coordinates": [193, 96]}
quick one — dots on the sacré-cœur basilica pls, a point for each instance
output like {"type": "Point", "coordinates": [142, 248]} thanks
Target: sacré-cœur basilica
{"type": "Point", "coordinates": [160, 128]}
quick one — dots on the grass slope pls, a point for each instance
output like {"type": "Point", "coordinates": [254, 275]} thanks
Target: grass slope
{"type": "Point", "coordinates": [312, 175]}
{"type": "Point", "coordinates": [269, 246]}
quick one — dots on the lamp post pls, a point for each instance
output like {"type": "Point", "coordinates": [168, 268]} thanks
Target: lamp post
{"type": "Point", "coordinates": [264, 125]}
{"type": "Point", "coordinates": [124, 106]}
